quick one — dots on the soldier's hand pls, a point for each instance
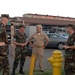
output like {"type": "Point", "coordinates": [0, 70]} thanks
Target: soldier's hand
{"type": "Point", "coordinates": [22, 45]}
{"type": "Point", "coordinates": [65, 47]}
{"type": "Point", "coordinates": [43, 46]}
{"type": "Point", "coordinates": [25, 44]}
{"type": "Point", "coordinates": [13, 54]}
{"type": "Point", "coordinates": [2, 44]}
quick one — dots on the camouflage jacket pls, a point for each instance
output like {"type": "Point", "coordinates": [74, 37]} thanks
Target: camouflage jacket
{"type": "Point", "coordinates": [71, 42]}
{"type": "Point", "coordinates": [3, 38]}
{"type": "Point", "coordinates": [20, 38]}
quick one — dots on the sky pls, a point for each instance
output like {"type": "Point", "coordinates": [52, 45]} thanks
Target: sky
{"type": "Point", "coordinates": [14, 8]}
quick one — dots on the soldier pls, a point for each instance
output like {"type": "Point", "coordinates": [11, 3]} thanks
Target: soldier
{"type": "Point", "coordinates": [69, 66]}
{"type": "Point", "coordinates": [4, 64]}
{"type": "Point", "coordinates": [20, 50]}
{"type": "Point", "coordinates": [38, 45]}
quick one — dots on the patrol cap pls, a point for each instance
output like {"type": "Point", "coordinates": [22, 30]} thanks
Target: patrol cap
{"type": "Point", "coordinates": [72, 26]}
{"type": "Point", "coordinates": [22, 26]}
{"type": "Point", "coordinates": [5, 15]}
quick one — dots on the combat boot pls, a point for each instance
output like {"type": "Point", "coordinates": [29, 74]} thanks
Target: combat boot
{"type": "Point", "coordinates": [21, 71]}
{"type": "Point", "coordinates": [13, 72]}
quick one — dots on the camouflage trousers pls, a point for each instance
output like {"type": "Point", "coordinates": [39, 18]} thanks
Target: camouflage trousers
{"type": "Point", "coordinates": [69, 66]}
{"type": "Point", "coordinates": [19, 56]}
{"type": "Point", "coordinates": [4, 65]}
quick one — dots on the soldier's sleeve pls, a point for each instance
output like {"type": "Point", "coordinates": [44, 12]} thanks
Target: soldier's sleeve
{"type": "Point", "coordinates": [46, 37]}
{"type": "Point", "coordinates": [25, 35]}
{"type": "Point", "coordinates": [1, 30]}
{"type": "Point", "coordinates": [74, 39]}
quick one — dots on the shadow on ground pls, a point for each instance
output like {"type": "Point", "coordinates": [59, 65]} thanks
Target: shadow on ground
{"type": "Point", "coordinates": [46, 72]}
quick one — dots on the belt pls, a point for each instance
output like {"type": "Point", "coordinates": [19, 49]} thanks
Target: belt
{"type": "Point", "coordinates": [38, 46]}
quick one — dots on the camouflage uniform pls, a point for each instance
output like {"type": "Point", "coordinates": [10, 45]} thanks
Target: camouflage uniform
{"type": "Point", "coordinates": [70, 57]}
{"type": "Point", "coordinates": [4, 64]}
{"type": "Point", "coordinates": [20, 52]}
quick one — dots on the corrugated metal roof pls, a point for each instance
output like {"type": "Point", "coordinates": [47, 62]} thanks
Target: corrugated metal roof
{"type": "Point", "coordinates": [46, 21]}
